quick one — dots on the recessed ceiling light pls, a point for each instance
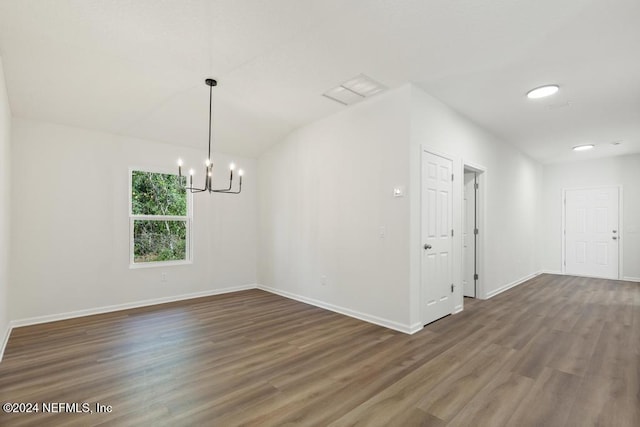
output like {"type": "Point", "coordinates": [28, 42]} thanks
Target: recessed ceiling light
{"type": "Point", "coordinates": [584, 147]}
{"type": "Point", "coordinates": [542, 91]}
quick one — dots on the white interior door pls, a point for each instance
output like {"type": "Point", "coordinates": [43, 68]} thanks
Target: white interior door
{"type": "Point", "coordinates": [591, 232]}
{"type": "Point", "coordinates": [437, 269]}
{"type": "Point", "coordinates": [468, 235]}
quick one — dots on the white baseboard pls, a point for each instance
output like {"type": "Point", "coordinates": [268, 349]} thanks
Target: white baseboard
{"type": "Point", "coordinates": [457, 309]}
{"type": "Point", "coordinates": [126, 306]}
{"type": "Point", "coordinates": [415, 328]}
{"type": "Point", "coordinates": [511, 285]}
{"type": "Point", "coordinates": [557, 272]}
{"type": "Point", "coordinates": [5, 340]}
{"type": "Point", "coordinates": [407, 329]}
{"type": "Point", "coordinates": [584, 276]}
{"type": "Point", "coordinates": [625, 278]}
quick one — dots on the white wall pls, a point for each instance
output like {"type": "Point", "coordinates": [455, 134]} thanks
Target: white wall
{"type": "Point", "coordinates": [70, 241]}
{"type": "Point", "coordinates": [512, 185]}
{"type": "Point", "coordinates": [5, 179]}
{"type": "Point", "coordinates": [325, 195]}
{"type": "Point", "coordinates": [326, 191]}
{"type": "Point", "coordinates": [623, 171]}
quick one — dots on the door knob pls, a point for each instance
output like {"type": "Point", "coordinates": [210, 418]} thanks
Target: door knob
{"type": "Point", "coordinates": [427, 246]}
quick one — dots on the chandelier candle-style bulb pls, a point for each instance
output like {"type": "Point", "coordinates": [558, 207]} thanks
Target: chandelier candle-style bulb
{"type": "Point", "coordinates": [208, 172]}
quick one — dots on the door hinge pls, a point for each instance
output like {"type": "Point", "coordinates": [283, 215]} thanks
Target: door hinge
{"type": "Point", "coordinates": [452, 232]}
{"type": "Point", "coordinates": [476, 186]}
{"type": "Point", "coordinates": [475, 277]}
{"type": "Point", "coordinates": [475, 231]}
{"type": "Point", "coordinates": [451, 177]}
{"type": "Point", "coordinates": [452, 287]}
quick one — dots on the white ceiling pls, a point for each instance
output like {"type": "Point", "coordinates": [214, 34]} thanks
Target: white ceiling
{"type": "Point", "coordinates": [137, 67]}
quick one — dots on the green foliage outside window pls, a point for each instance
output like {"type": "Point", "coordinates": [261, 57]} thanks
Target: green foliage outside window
{"type": "Point", "coordinates": [157, 194]}
{"type": "Point", "coordinates": [161, 239]}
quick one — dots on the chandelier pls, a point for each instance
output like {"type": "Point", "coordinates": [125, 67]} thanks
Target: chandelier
{"type": "Point", "coordinates": [208, 185]}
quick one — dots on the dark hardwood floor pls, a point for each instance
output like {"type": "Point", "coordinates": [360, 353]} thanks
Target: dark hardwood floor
{"type": "Point", "coordinates": [555, 351]}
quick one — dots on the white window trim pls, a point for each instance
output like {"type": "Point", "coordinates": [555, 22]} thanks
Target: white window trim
{"type": "Point", "coordinates": [188, 219]}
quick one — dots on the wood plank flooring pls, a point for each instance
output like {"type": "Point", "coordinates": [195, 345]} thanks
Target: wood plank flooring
{"type": "Point", "coordinates": [555, 351]}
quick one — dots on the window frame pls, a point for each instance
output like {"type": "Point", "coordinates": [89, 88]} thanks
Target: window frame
{"type": "Point", "coordinates": [188, 219]}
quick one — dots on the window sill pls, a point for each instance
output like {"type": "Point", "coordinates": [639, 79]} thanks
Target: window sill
{"type": "Point", "coordinates": [134, 266]}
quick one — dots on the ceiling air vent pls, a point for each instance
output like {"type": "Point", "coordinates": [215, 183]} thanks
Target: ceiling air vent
{"type": "Point", "coordinates": [354, 90]}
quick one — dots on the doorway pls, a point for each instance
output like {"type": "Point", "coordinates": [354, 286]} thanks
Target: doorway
{"type": "Point", "coordinates": [473, 184]}
{"type": "Point", "coordinates": [591, 232]}
{"type": "Point", "coordinates": [469, 234]}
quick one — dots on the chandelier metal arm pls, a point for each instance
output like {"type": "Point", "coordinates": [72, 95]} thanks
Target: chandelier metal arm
{"type": "Point", "coordinates": [228, 192]}
{"type": "Point", "coordinates": [190, 188]}
{"type": "Point", "coordinates": [224, 190]}
{"type": "Point", "coordinates": [195, 190]}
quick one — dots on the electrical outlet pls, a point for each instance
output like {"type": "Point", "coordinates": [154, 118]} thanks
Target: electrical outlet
{"type": "Point", "coordinates": [163, 277]}
{"type": "Point", "coordinates": [323, 280]}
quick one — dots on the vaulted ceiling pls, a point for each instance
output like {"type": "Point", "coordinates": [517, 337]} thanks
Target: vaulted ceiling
{"type": "Point", "coordinates": [137, 67]}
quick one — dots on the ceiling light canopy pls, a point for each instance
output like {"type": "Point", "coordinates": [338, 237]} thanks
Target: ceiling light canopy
{"type": "Point", "coordinates": [543, 91]}
{"type": "Point", "coordinates": [583, 147]}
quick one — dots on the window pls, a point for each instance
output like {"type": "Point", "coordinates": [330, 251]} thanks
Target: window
{"type": "Point", "coordinates": [159, 219]}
